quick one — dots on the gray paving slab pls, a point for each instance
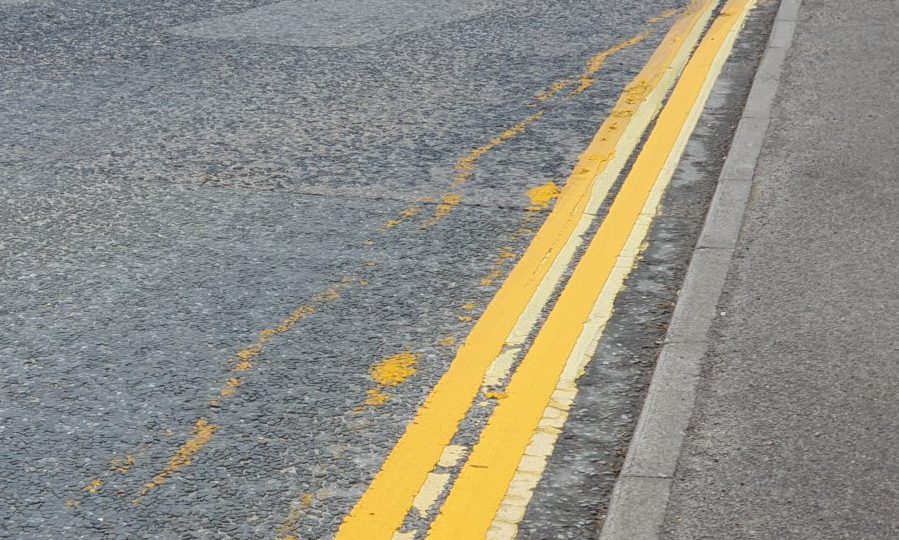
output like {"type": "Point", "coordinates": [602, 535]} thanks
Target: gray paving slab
{"type": "Point", "coordinates": [794, 433]}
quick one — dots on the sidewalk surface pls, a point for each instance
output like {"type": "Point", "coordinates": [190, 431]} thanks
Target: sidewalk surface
{"type": "Point", "coordinates": [795, 430]}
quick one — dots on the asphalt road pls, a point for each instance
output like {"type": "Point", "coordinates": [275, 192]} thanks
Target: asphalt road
{"type": "Point", "coordinates": [241, 241]}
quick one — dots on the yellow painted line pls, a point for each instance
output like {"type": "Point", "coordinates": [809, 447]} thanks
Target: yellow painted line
{"type": "Point", "coordinates": [476, 495]}
{"type": "Point", "coordinates": [381, 510]}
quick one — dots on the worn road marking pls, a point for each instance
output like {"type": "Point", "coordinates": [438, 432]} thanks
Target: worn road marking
{"type": "Point", "coordinates": [203, 432]}
{"type": "Point", "coordinates": [381, 510]}
{"type": "Point", "coordinates": [476, 495]}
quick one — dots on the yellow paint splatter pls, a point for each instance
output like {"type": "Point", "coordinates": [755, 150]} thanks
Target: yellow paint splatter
{"type": "Point", "coordinates": [391, 371]}
{"type": "Point", "coordinates": [465, 318]}
{"type": "Point", "coordinates": [203, 432]}
{"type": "Point", "coordinates": [495, 395]}
{"type": "Point", "coordinates": [394, 370]}
{"type": "Point", "coordinates": [447, 341]}
{"type": "Point", "coordinates": [122, 465]}
{"type": "Point", "coordinates": [94, 486]}
{"type": "Point", "coordinates": [72, 503]}
{"type": "Point", "coordinates": [469, 306]}
{"type": "Point", "coordinates": [542, 196]}
{"type": "Point", "coordinates": [230, 388]}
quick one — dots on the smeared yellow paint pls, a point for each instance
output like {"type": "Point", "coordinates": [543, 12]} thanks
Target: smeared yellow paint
{"type": "Point", "coordinates": [447, 341]}
{"type": "Point", "coordinates": [122, 465]}
{"type": "Point", "coordinates": [203, 432]}
{"type": "Point", "coordinates": [465, 318]}
{"type": "Point", "coordinates": [72, 503]}
{"type": "Point", "coordinates": [94, 486]}
{"type": "Point", "coordinates": [469, 306]}
{"type": "Point", "coordinates": [495, 395]}
{"type": "Point", "coordinates": [542, 196]}
{"type": "Point", "coordinates": [553, 90]}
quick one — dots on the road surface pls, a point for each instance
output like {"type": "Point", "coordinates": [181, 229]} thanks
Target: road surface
{"type": "Point", "coordinates": [244, 242]}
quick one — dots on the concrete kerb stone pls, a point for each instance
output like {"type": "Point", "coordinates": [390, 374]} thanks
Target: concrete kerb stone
{"type": "Point", "coordinates": [663, 423]}
{"type": "Point", "coordinates": [725, 217]}
{"type": "Point", "coordinates": [648, 497]}
{"type": "Point", "coordinates": [640, 497]}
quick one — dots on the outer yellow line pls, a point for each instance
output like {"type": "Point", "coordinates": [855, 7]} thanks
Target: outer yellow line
{"type": "Point", "coordinates": [382, 508]}
{"type": "Point", "coordinates": [477, 493]}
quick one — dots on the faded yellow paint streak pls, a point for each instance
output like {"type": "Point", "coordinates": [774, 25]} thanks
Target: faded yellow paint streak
{"type": "Point", "coordinates": [448, 202]}
{"type": "Point", "coordinates": [477, 493]}
{"type": "Point", "coordinates": [447, 341]}
{"type": "Point", "coordinates": [294, 515]}
{"type": "Point", "coordinates": [230, 387]}
{"type": "Point", "coordinates": [588, 77]}
{"type": "Point", "coordinates": [542, 196]}
{"type": "Point", "coordinates": [497, 270]}
{"type": "Point", "coordinates": [465, 167]}
{"type": "Point", "coordinates": [122, 465]}
{"type": "Point", "coordinates": [553, 90]}
{"type": "Point", "coordinates": [381, 510]}
{"type": "Point", "coordinates": [202, 434]}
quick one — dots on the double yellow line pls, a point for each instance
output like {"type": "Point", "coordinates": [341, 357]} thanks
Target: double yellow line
{"type": "Point", "coordinates": [477, 493]}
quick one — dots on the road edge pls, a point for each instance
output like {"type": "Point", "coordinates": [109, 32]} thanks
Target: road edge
{"type": "Point", "coordinates": [640, 496]}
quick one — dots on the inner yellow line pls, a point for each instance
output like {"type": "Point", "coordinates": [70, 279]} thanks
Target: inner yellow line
{"type": "Point", "coordinates": [478, 491]}
{"type": "Point", "coordinates": [381, 510]}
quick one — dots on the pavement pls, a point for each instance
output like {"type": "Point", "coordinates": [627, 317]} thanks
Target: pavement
{"type": "Point", "coordinates": [796, 419]}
